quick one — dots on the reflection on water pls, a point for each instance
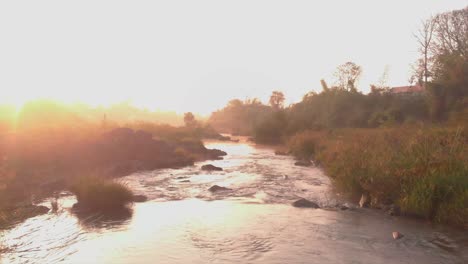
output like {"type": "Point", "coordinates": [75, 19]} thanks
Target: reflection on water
{"type": "Point", "coordinates": [110, 220]}
{"type": "Point", "coordinates": [254, 223]}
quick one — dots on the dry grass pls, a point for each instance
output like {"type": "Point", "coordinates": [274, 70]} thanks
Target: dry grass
{"type": "Point", "coordinates": [423, 170]}
{"type": "Point", "coordinates": [94, 193]}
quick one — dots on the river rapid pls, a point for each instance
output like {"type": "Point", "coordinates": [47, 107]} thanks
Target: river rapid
{"type": "Point", "coordinates": [183, 222]}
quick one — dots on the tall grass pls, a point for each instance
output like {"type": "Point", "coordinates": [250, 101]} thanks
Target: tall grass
{"type": "Point", "coordinates": [423, 170]}
{"type": "Point", "coordinates": [93, 193]}
{"type": "Point", "coordinates": [305, 145]}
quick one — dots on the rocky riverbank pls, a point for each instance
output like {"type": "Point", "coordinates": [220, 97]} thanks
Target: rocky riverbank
{"type": "Point", "coordinates": [116, 153]}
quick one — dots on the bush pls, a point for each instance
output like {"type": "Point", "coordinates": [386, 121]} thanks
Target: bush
{"type": "Point", "coordinates": [304, 145]}
{"type": "Point", "coordinates": [423, 170]}
{"type": "Point", "coordinates": [100, 194]}
{"type": "Point", "coordinates": [271, 129]}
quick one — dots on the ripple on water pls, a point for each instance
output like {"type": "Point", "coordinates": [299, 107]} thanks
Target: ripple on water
{"type": "Point", "coordinates": [252, 223]}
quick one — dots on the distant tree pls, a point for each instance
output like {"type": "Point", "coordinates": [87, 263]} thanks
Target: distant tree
{"type": "Point", "coordinates": [252, 101]}
{"type": "Point", "coordinates": [277, 100]}
{"type": "Point", "coordinates": [189, 119]}
{"type": "Point", "coordinates": [424, 37]}
{"type": "Point", "coordinates": [375, 89]}
{"type": "Point", "coordinates": [381, 85]}
{"type": "Point", "coordinates": [271, 128]}
{"type": "Point", "coordinates": [451, 33]}
{"type": "Point", "coordinates": [235, 103]}
{"type": "Point", "coordinates": [443, 65]}
{"type": "Point", "coordinates": [347, 76]}
{"type": "Point", "coordinates": [383, 80]}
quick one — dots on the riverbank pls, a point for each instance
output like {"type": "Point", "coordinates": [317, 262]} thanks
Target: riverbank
{"type": "Point", "coordinates": [423, 172]}
{"type": "Point", "coordinates": [253, 222]}
{"type": "Point", "coordinates": [38, 166]}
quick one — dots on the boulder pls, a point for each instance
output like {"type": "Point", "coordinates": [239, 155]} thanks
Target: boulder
{"type": "Point", "coordinates": [216, 188]}
{"type": "Point", "coordinates": [393, 210]}
{"type": "Point", "coordinates": [304, 203]}
{"type": "Point", "coordinates": [138, 198]}
{"type": "Point", "coordinates": [280, 153]}
{"type": "Point", "coordinates": [397, 235]}
{"type": "Point", "coordinates": [303, 163]}
{"type": "Point", "coordinates": [217, 152]}
{"type": "Point", "coordinates": [39, 209]}
{"type": "Point", "coordinates": [343, 207]}
{"type": "Point", "coordinates": [210, 167]}
{"type": "Point", "coordinates": [222, 138]}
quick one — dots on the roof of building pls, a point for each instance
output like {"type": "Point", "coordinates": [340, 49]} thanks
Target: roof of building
{"type": "Point", "coordinates": [407, 89]}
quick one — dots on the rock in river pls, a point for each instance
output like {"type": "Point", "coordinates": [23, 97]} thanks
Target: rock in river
{"type": "Point", "coordinates": [397, 235]}
{"type": "Point", "coordinates": [393, 210]}
{"type": "Point", "coordinates": [304, 203]}
{"type": "Point", "coordinates": [280, 153]}
{"type": "Point", "coordinates": [216, 188]}
{"type": "Point", "coordinates": [210, 167]}
{"type": "Point", "coordinates": [303, 163]}
{"type": "Point", "coordinates": [343, 207]}
{"type": "Point", "coordinates": [139, 198]}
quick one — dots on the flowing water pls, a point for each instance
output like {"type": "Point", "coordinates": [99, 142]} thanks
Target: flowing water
{"type": "Point", "coordinates": [182, 222]}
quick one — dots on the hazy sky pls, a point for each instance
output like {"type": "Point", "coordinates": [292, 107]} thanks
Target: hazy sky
{"type": "Point", "coordinates": [196, 55]}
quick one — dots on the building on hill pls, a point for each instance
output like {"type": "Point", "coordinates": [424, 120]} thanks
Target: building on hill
{"type": "Point", "coordinates": [407, 90]}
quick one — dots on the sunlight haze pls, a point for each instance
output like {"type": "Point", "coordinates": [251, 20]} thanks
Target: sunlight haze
{"type": "Point", "coordinates": [231, 132]}
{"type": "Point", "coordinates": [197, 55]}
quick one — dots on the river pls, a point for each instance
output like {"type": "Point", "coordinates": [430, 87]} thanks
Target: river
{"type": "Point", "coordinates": [182, 222]}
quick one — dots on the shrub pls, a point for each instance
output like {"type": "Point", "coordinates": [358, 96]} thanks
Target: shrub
{"type": "Point", "coordinates": [304, 145]}
{"type": "Point", "coordinates": [100, 194]}
{"type": "Point", "coordinates": [424, 170]}
{"type": "Point", "coordinates": [270, 130]}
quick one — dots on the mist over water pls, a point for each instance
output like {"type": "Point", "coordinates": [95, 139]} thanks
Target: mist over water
{"type": "Point", "coordinates": [254, 222]}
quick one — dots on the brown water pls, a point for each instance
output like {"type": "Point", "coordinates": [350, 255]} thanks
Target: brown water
{"type": "Point", "coordinates": [254, 223]}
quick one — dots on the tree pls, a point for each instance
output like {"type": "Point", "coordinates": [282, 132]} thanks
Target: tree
{"type": "Point", "coordinates": [443, 41]}
{"type": "Point", "coordinates": [381, 85]}
{"type": "Point", "coordinates": [383, 80]}
{"type": "Point", "coordinates": [189, 119]}
{"type": "Point", "coordinates": [424, 39]}
{"type": "Point", "coordinates": [347, 75]}
{"type": "Point", "coordinates": [452, 33]}
{"type": "Point", "coordinates": [277, 100]}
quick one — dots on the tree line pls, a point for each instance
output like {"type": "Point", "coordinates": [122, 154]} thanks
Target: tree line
{"type": "Point", "coordinates": [442, 71]}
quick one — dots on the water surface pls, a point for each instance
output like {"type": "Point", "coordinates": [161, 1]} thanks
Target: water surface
{"type": "Point", "coordinates": [254, 223]}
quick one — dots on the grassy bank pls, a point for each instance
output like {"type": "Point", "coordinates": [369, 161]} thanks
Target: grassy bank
{"type": "Point", "coordinates": [422, 170]}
